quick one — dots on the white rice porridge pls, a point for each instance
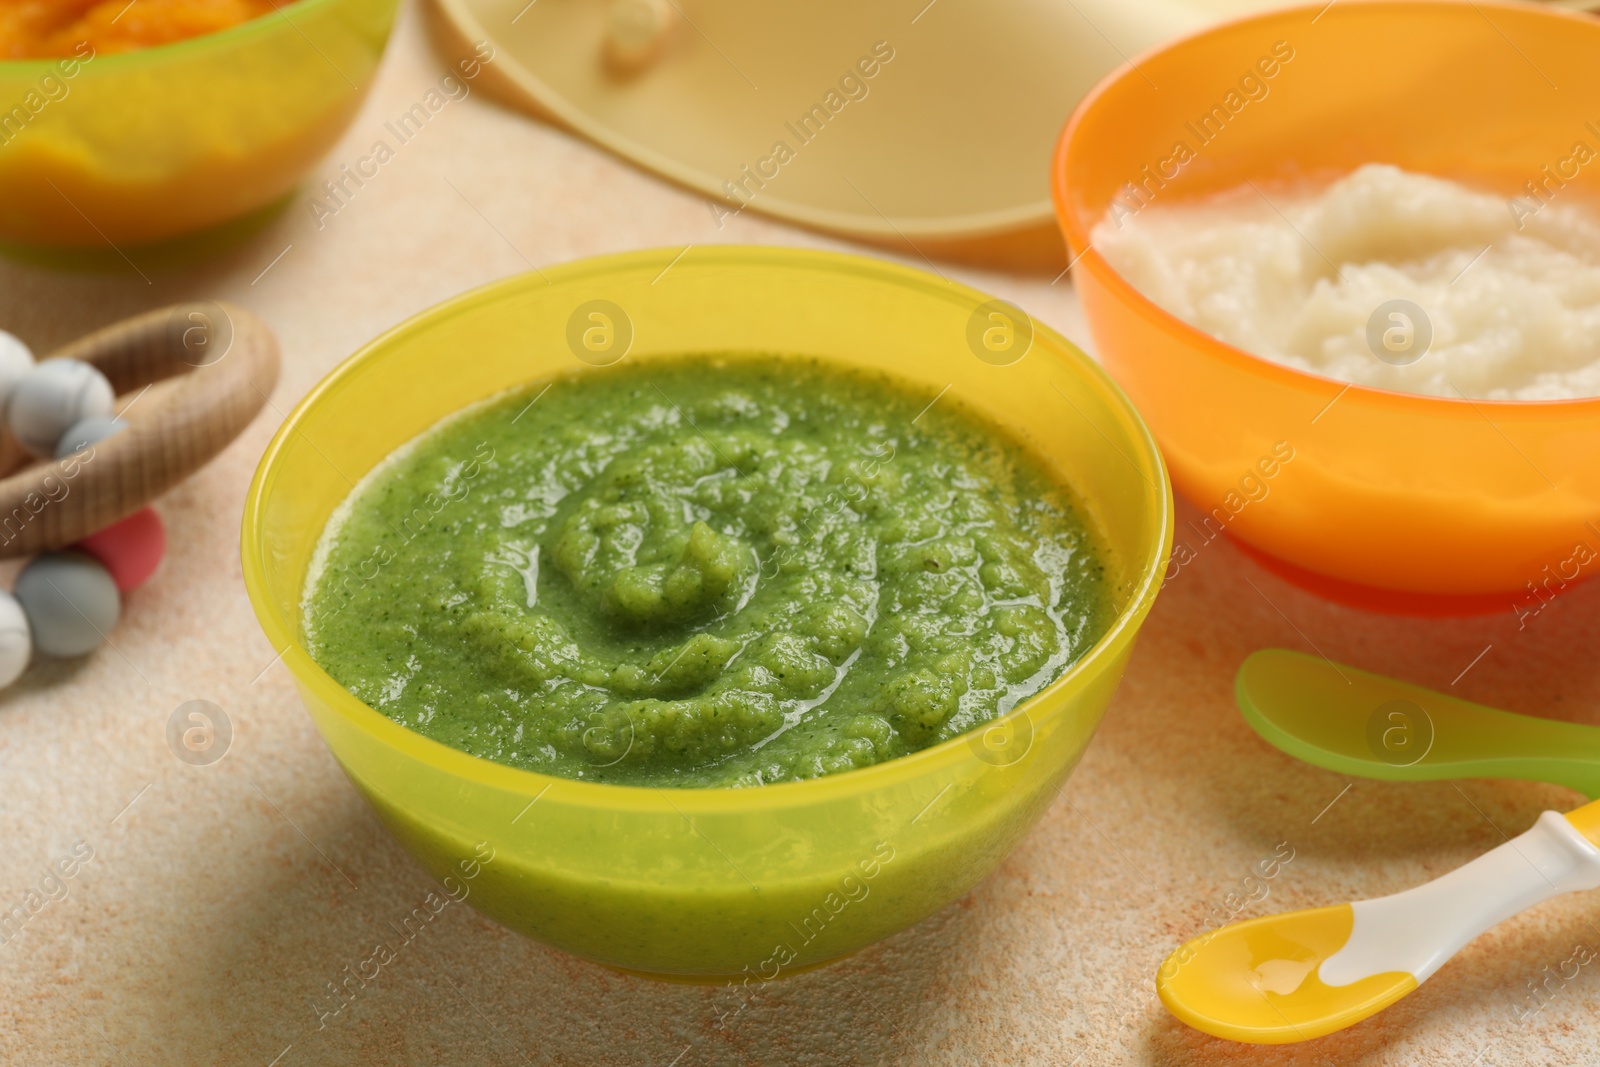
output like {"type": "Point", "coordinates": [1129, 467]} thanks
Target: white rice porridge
{"type": "Point", "coordinates": [1509, 294]}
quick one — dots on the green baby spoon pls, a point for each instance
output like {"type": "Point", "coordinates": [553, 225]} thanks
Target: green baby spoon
{"type": "Point", "coordinates": [1348, 720]}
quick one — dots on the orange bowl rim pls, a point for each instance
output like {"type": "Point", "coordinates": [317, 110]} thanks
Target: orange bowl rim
{"type": "Point", "coordinates": [1082, 252]}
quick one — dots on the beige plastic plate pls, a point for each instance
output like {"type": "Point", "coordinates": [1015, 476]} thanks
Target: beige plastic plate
{"type": "Point", "coordinates": [945, 146]}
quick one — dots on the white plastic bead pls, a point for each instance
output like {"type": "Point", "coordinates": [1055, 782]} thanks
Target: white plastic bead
{"type": "Point", "coordinates": [86, 432]}
{"type": "Point", "coordinates": [16, 360]}
{"type": "Point", "coordinates": [71, 602]}
{"type": "Point", "coordinates": [53, 397]}
{"type": "Point", "coordinates": [16, 641]}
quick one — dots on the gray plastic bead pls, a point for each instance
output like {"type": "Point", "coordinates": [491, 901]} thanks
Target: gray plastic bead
{"type": "Point", "coordinates": [71, 602]}
{"type": "Point", "coordinates": [16, 360]}
{"type": "Point", "coordinates": [86, 432]}
{"type": "Point", "coordinates": [53, 397]}
{"type": "Point", "coordinates": [16, 640]}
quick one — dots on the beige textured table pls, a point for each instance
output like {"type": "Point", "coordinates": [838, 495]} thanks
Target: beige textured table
{"type": "Point", "coordinates": [221, 900]}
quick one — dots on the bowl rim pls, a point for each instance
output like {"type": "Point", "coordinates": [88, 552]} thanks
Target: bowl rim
{"type": "Point", "coordinates": [1082, 250]}
{"type": "Point", "coordinates": [283, 633]}
{"type": "Point", "coordinates": [118, 62]}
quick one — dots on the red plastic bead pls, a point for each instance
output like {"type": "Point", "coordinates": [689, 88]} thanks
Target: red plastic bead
{"type": "Point", "coordinates": [131, 549]}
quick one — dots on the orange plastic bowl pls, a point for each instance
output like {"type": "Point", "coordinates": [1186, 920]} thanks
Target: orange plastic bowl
{"type": "Point", "coordinates": [1390, 500]}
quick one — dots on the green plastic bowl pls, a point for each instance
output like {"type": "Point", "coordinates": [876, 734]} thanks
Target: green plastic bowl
{"type": "Point", "coordinates": [714, 884]}
{"type": "Point", "coordinates": [139, 148]}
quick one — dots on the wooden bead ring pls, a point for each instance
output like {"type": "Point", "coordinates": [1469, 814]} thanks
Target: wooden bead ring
{"type": "Point", "coordinates": [188, 378]}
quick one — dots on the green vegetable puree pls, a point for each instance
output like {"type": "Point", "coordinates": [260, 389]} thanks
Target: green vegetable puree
{"type": "Point", "coordinates": [704, 572]}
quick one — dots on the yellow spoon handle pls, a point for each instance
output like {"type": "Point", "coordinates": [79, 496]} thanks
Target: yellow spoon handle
{"type": "Point", "coordinates": [1586, 820]}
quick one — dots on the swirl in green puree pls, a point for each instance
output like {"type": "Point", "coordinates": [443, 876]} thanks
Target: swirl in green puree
{"type": "Point", "coordinates": [705, 572]}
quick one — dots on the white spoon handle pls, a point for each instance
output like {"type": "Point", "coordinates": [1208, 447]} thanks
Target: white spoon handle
{"type": "Point", "coordinates": [1418, 930]}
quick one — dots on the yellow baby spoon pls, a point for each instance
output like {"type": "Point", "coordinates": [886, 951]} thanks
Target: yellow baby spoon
{"type": "Point", "coordinates": [1303, 974]}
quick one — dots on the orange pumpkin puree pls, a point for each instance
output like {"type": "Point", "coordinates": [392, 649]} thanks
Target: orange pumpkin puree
{"type": "Point", "coordinates": [38, 29]}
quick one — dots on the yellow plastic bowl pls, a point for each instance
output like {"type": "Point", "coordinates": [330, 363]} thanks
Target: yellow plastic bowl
{"type": "Point", "coordinates": [124, 150]}
{"type": "Point", "coordinates": [1416, 503]}
{"type": "Point", "coordinates": [714, 883]}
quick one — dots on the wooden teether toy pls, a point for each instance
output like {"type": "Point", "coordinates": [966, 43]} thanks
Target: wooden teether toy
{"type": "Point", "coordinates": [117, 418]}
